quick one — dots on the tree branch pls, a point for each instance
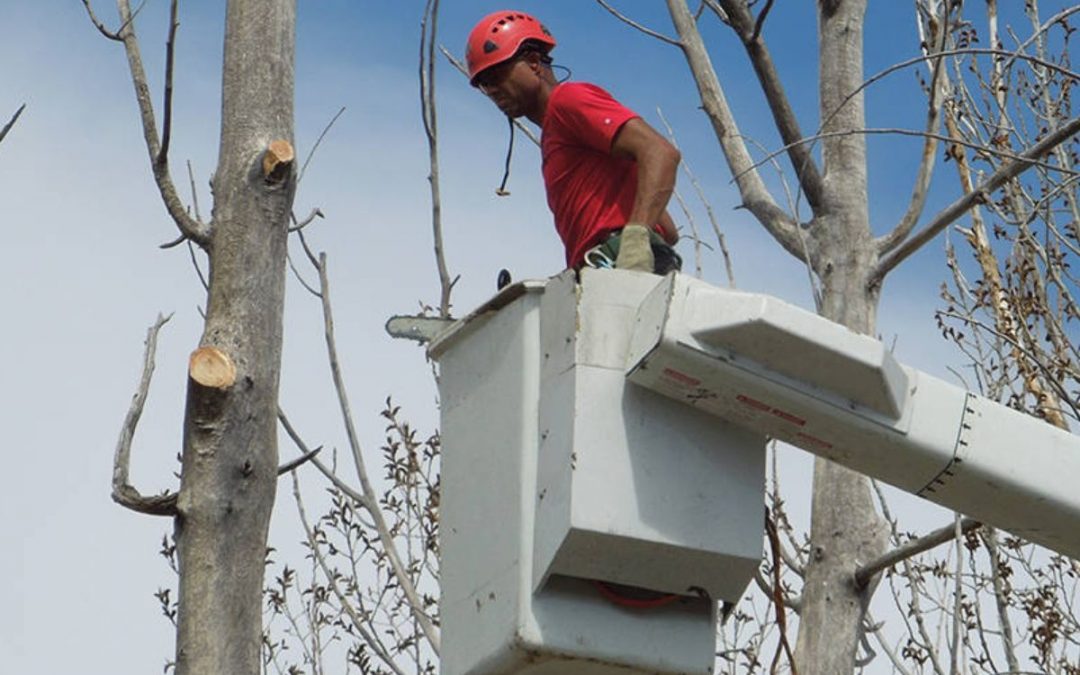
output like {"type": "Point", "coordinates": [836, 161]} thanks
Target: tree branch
{"type": "Point", "coordinates": [783, 115]}
{"type": "Point", "coordinates": [190, 227]}
{"type": "Point", "coordinates": [529, 133]}
{"type": "Point", "coordinates": [11, 123]}
{"type": "Point", "coordinates": [123, 493]}
{"type": "Point", "coordinates": [301, 224]}
{"type": "Point", "coordinates": [634, 24]}
{"type": "Point", "coordinates": [170, 58]}
{"type": "Point", "coordinates": [981, 192]}
{"type": "Point", "coordinates": [755, 196]}
{"type": "Point", "coordinates": [371, 639]}
{"type": "Point", "coordinates": [705, 202]}
{"type": "Point", "coordinates": [429, 113]}
{"type": "Point", "coordinates": [866, 573]}
{"type": "Point", "coordinates": [370, 501]}
{"type": "Point", "coordinates": [938, 85]}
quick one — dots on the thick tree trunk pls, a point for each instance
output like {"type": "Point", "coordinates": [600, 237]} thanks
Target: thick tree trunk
{"type": "Point", "coordinates": [230, 447]}
{"type": "Point", "coordinates": [845, 529]}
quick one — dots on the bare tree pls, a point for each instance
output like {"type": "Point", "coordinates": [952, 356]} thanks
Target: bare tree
{"type": "Point", "coordinates": [229, 462]}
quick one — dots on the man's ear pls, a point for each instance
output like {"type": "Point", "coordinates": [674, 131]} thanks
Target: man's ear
{"type": "Point", "coordinates": [533, 59]}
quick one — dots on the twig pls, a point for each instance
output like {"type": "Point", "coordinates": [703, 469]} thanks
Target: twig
{"type": "Point", "coordinates": [760, 23]}
{"type": "Point", "coordinates": [755, 196]}
{"type": "Point", "coordinates": [389, 548]}
{"type": "Point", "coordinates": [1027, 158]}
{"type": "Point", "coordinates": [429, 113]}
{"type": "Point", "coordinates": [864, 574]}
{"type": "Point", "coordinates": [298, 462]}
{"type": "Point", "coordinates": [198, 270]}
{"type": "Point", "coordinates": [98, 24]}
{"type": "Point", "coordinates": [925, 172]}
{"type": "Point", "coordinates": [958, 594]}
{"type": "Point", "coordinates": [728, 268]}
{"type": "Point", "coordinates": [11, 123]}
{"type": "Point", "coordinates": [318, 141]}
{"type": "Point", "coordinates": [634, 24]}
{"type": "Point", "coordinates": [198, 232]}
{"type": "Point", "coordinates": [989, 537]}
{"type": "Point", "coordinates": [784, 118]}
{"type": "Point", "coordinates": [299, 225]}
{"type": "Point", "coordinates": [778, 597]}
{"type": "Point", "coordinates": [981, 193]}
{"type": "Point", "coordinates": [170, 52]}
{"type": "Point", "coordinates": [454, 61]}
{"type": "Point", "coordinates": [123, 493]}
{"type": "Point", "coordinates": [194, 192]}
{"type": "Point", "coordinates": [369, 638]}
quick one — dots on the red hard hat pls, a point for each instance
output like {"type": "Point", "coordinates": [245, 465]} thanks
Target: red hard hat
{"type": "Point", "coordinates": [497, 37]}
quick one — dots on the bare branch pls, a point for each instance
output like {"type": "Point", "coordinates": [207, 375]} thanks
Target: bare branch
{"type": "Point", "coordinates": [123, 493]}
{"type": "Point", "coordinates": [783, 115]}
{"type": "Point", "coordinates": [778, 597]}
{"type": "Point", "coordinates": [755, 196]}
{"type": "Point", "coordinates": [170, 58]}
{"type": "Point", "coordinates": [11, 123]}
{"type": "Point", "coordinates": [938, 85]}
{"type": "Point", "coordinates": [866, 573]}
{"type": "Point", "coordinates": [760, 23]}
{"type": "Point", "coordinates": [194, 192]}
{"type": "Point", "coordinates": [981, 193]}
{"type": "Point", "coordinates": [294, 464]}
{"type": "Point", "coordinates": [718, 11]}
{"type": "Point", "coordinates": [98, 24]}
{"type": "Point", "coordinates": [634, 24]}
{"type": "Point", "coordinates": [429, 112]}
{"type": "Point", "coordinates": [318, 141]}
{"type": "Point", "coordinates": [370, 501]}
{"type": "Point", "coordinates": [301, 224]}
{"type": "Point", "coordinates": [370, 639]}
{"type": "Point", "coordinates": [454, 61]}
{"type": "Point", "coordinates": [989, 537]}
{"type": "Point", "coordinates": [705, 202]}
{"type": "Point", "coordinates": [192, 228]}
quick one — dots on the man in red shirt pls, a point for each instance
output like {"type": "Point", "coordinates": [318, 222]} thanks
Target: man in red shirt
{"type": "Point", "coordinates": [608, 174]}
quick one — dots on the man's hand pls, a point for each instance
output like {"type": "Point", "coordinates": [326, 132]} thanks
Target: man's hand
{"type": "Point", "coordinates": [635, 249]}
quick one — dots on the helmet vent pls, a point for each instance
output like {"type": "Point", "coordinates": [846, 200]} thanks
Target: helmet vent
{"type": "Point", "coordinates": [490, 46]}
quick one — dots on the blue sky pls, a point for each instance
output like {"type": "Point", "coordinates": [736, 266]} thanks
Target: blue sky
{"type": "Point", "coordinates": [83, 278]}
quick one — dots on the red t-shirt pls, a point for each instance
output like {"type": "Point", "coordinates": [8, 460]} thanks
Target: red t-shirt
{"type": "Point", "coordinates": [589, 191]}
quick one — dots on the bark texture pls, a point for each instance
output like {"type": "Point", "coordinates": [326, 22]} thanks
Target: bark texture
{"type": "Point", "coordinates": [845, 529]}
{"type": "Point", "coordinates": [230, 438]}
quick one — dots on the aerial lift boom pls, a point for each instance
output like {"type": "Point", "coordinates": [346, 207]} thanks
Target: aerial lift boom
{"type": "Point", "coordinates": [772, 367]}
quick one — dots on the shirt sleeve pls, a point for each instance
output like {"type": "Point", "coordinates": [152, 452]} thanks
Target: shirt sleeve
{"type": "Point", "coordinates": [591, 116]}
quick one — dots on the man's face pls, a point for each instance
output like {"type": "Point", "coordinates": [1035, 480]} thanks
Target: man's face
{"type": "Point", "coordinates": [511, 85]}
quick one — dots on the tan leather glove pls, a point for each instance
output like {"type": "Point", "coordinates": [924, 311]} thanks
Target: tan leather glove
{"type": "Point", "coordinates": [635, 250]}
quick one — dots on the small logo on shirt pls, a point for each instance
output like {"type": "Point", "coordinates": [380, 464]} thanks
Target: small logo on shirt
{"type": "Point", "coordinates": [607, 120]}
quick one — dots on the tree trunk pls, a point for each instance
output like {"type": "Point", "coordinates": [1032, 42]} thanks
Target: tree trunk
{"type": "Point", "coordinates": [230, 437]}
{"type": "Point", "coordinates": [845, 529]}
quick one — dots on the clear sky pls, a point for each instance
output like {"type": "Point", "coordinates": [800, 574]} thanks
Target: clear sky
{"type": "Point", "coordinates": [83, 277]}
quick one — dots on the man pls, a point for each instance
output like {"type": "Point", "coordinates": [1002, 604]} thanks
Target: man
{"type": "Point", "coordinates": [608, 174]}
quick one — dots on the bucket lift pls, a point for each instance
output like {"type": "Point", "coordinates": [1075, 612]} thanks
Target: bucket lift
{"type": "Point", "coordinates": [613, 429]}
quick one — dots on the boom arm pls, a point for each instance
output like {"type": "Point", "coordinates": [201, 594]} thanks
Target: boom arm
{"type": "Point", "coordinates": [780, 370]}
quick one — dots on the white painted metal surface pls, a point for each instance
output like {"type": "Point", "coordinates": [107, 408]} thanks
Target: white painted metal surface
{"type": "Point", "coordinates": [508, 378]}
{"type": "Point", "coordinates": [777, 369]}
{"type": "Point", "coordinates": [632, 487]}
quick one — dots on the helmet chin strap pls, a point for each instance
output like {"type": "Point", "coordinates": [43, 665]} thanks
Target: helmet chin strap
{"type": "Point", "coordinates": [501, 190]}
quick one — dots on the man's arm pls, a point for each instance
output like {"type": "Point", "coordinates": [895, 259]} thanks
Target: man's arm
{"type": "Point", "coordinates": [657, 162]}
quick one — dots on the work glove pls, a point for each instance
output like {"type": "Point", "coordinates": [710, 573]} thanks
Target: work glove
{"type": "Point", "coordinates": [635, 249]}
